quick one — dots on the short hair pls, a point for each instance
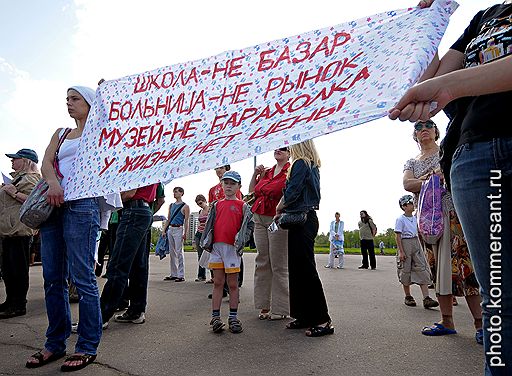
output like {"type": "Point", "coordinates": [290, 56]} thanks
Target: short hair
{"type": "Point", "coordinates": [179, 189]}
{"type": "Point", "coordinates": [337, 213]}
{"type": "Point", "coordinates": [200, 198]}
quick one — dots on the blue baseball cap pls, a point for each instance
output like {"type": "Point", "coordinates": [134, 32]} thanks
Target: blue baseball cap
{"type": "Point", "coordinates": [233, 175]}
{"type": "Point", "coordinates": [25, 153]}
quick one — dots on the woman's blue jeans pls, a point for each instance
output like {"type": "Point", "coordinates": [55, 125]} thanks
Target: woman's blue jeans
{"type": "Point", "coordinates": [68, 243]}
{"type": "Point", "coordinates": [481, 176]}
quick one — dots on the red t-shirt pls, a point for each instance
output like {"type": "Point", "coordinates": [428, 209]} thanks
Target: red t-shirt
{"type": "Point", "coordinates": [269, 190]}
{"type": "Point", "coordinates": [228, 220]}
{"type": "Point", "coordinates": [147, 193]}
{"type": "Point", "coordinates": [216, 193]}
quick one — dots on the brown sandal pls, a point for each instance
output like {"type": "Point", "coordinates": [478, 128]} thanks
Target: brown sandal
{"type": "Point", "coordinates": [84, 359]}
{"type": "Point", "coordinates": [41, 361]}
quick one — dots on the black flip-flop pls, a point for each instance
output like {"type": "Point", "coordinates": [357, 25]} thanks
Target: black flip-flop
{"type": "Point", "coordinates": [319, 331]}
{"type": "Point", "coordinates": [41, 361]}
{"type": "Point", "coordinates": [85, 360]}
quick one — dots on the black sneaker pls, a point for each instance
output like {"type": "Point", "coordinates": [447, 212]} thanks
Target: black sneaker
{"type": "Point", "coordinates": [235, 326]}
{"type": "Point", "coordinates": [217, 324]}
{"type": "Point", "coordinates": [362, 267]}
{"type": "Point", "coordinates": [129, 317]}
{"type": "Point", "coordinates": [12, 312]}
{"type": "Point", "coordinates": [428, 302]}
{"type": "Point", "coordinates": [409, 301]}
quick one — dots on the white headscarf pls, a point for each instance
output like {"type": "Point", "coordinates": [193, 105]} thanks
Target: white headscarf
{"type": "Point", "coordinates": [86, 92]}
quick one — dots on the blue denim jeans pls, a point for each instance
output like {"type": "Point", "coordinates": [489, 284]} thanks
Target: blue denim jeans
{"type": "Point", "coordinates": [129, 259]}
{"type": "Point", "coordinates": [68, 243]}
{"type": "Point", "coordinates": [481, 176]}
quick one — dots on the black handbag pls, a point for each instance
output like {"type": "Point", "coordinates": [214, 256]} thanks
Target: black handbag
{"type": "Point", "coordinates": [289, 220]}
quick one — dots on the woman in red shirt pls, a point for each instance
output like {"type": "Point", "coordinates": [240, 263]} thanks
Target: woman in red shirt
{"type": "Point", "coordinates": [271, 273]}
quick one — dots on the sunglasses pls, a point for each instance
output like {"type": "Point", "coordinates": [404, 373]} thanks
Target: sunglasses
{"type": "Point", "coordinates": [282, 149]}
{"type": "Point", "coordinates": [428, 124]}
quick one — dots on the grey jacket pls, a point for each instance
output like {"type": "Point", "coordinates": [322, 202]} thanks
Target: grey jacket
{"type": "Point", "coordinates": [242, 236]}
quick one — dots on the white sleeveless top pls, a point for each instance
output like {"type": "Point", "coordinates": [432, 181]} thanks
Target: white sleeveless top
{"type": "Point", "coordinates": [67, 153]}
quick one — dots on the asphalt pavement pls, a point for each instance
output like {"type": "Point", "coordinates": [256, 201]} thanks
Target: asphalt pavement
{"type": "Point", "coordinates": [376, 334]}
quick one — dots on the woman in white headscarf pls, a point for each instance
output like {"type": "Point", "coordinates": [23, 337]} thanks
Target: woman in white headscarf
{"type": "Point", "coordinates": [68, 242]}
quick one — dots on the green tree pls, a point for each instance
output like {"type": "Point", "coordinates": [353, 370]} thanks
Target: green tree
{"type": "Point", "coordinates": [387, 237]}
{"type": "Point", "coordinates": [156, 232]}
{"type": "Point", "coordinates": [322, 239]}
{"type": "Point", "coordinates": [351, 239]}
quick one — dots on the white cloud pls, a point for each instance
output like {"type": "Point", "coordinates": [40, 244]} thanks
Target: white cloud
{"type": "Point", "coordinates": [30, 112]}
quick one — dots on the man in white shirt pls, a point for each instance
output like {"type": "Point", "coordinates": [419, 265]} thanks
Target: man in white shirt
{"type": "Point", "coordinates": [336, 242]}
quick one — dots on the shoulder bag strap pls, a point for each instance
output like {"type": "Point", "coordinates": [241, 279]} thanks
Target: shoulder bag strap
{"type": "Point", "coordinates": [56, 159]}
{"type": "Point", "coordinates": [17, 180]}
{"type": "Point", "coordinates": [176, 212]}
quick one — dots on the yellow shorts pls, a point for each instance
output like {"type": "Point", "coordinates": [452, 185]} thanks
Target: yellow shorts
{"type": "Point", "coordinates": [224, 256]}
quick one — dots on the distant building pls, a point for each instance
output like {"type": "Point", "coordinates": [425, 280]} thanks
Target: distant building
{"type": "Point", "coordinates": [192, 225]}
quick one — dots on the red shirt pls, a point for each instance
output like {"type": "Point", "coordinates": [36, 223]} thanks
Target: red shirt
{"type": "Point", "coordinates": [269, 190]}
{"type": "Point", "coordinates": [216, 193]}
{"type": "Point", "coordinates": [228, 220]}
{"type": "Point", "coordinates": [147, 193]}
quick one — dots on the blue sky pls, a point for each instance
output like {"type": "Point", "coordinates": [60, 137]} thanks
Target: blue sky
{"type": "Point", "coordinates": [36, 37]}
{"type": "Point", "coordinates": [47, 46]}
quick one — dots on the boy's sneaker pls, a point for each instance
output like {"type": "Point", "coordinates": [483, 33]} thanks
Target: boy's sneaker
{"type": "Point", "coordinates": [217, 325]}
{"type": "Point", "coordinates": [74, 327]}
{"type": "Point", "coordinates": [235, 326]}
{"type": "Point", "coordinates": [428, 302]}
{"type": "Point", "coordinates": [129, 317]}
{"type": "Point", "coordinates": [409, 301]}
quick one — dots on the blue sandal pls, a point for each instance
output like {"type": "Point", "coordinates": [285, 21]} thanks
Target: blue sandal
{"type": "Point", "coordinates": [437, 330]}
{"type": "Point", "coordinates": [479, 336]}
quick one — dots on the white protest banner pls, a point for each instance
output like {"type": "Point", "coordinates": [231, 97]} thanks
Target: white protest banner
{"type": "Point", "coordinates": [187, 118]}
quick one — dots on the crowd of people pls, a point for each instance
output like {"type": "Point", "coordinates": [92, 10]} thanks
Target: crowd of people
{"type": "Point", "coordinates": [472, 86]}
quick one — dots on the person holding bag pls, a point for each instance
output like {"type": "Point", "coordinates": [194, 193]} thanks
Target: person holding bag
{"type": "Point", "coordinates": [475, 79]}
{"type": "Point", "coordinates": [16, 237]}
{"type": "Point", "coordinates": [451, 264]}
{"type": "Point", "coordinates": [367, 231]}
{"type": "Point", "coordinates": [271, 271]}
{"type": "Point", "coordinates": [68, 242]}
{"type": "Point", "coordinates": [302, 195]}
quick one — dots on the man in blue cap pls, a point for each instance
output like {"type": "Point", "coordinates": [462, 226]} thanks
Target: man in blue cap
{"type": "Point", "coordinates": [15, 236]}
{"type": "Point", "coordinates": [25, 153]}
